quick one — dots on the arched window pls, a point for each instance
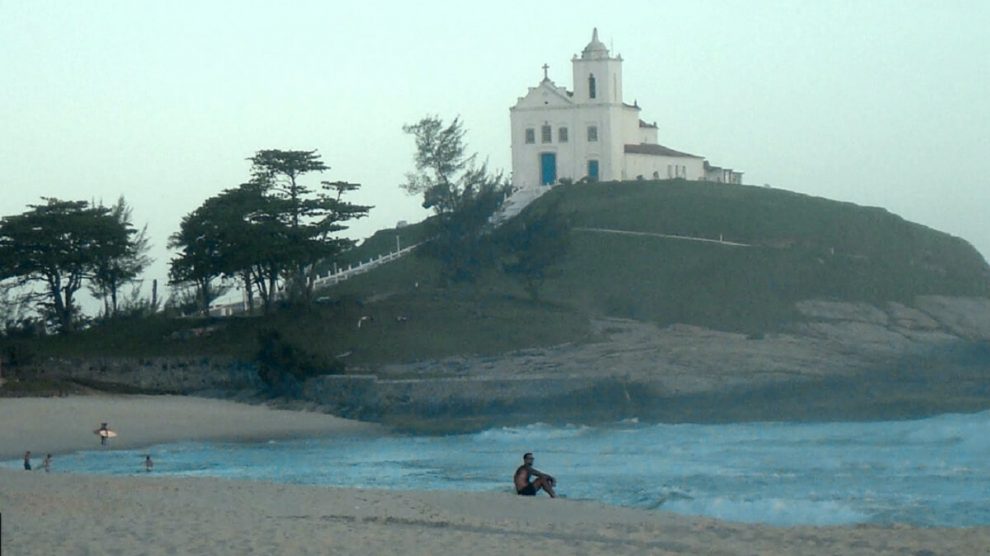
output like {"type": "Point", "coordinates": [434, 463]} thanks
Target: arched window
{"type": "Point", "coordinates": [592, 93]}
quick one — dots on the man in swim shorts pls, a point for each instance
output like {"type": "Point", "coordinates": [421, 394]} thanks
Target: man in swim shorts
{"type": "Point", "coordinates": [525, 487]}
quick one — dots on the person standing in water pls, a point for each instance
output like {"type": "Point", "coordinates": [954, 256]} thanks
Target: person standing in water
{"type": "Point", "coordinates": [148, 464]}
{"type": "Point", "coordinates": [525, 487]}
{"type": "Point", "coordinates": [27, 460]}
{"type": "Point", "coordinates": [46, 463]}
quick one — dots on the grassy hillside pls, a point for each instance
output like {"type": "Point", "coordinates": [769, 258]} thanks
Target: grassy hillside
{"type": "Point", "coordinates": [800, 247]}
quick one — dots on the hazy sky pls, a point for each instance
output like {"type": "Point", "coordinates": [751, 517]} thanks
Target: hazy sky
{"type": "Point", "coordinates": [883, 103]}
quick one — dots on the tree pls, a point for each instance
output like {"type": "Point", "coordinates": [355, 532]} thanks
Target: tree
{"type": "Point", "coordinates": [440, 157]}
{"type": "Point", "coordinates": [462, 194]}
{"type": "Point", "coordinates": [533, 244]}
{"type": "Point", "coordinates": [268, 232]}
{"type": "Point", "coordinates": [203, 242]}
{"type": "Point", "coordinates": [112, 273]}
{"type": "Point", "coordinates": [15, 312]}
{"type": "Point", "coordinates": [248, 242]}
{"type": "Point", "coordinates": [59, 244]}
{"type": "Point", "coordinates": [309, 219]}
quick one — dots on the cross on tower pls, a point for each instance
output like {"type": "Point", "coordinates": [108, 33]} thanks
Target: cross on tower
{"type": "Point", "coordinates": [545, 68]}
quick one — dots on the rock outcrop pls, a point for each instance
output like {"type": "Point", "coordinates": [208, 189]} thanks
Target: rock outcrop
{"type": "Point", "coordinates": [847, 360]}
{"type": "Point", "coordinates": [843, 361]}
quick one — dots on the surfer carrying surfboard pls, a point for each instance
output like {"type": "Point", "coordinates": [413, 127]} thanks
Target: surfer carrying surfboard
{"type": "Point", "coordinates": [104, 433]}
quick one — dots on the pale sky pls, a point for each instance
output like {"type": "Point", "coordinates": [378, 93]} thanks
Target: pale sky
{"type": "Point", "coordinates": [881, 103]}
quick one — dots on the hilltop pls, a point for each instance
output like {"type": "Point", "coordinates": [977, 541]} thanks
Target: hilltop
{"type": "Point", "coordinates": [669, 289]}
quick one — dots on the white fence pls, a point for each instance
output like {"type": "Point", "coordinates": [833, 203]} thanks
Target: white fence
{"type": "Point", "coordinates": [328, 279]}
{"type": "Point", "coordinates": [339, 275]}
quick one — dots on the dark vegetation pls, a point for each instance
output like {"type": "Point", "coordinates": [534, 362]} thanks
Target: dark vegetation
{"type": "Point", "coordinates": [269, 234]}
{"type": "Point", "coordinates": [59, 245]}
{"type": "Point", "coordinates": [802, 247]}
{"type": "Point", "coordinates": [462, 194]}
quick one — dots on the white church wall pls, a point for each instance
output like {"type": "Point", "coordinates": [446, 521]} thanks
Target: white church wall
{"type": "Point", "coordinates": [630, 125]}
{"type": "Point", "coordinates": [665, 167]}
{"type": "Point", "coordinates": [617, 145]}
{"type": "Point", "coordinates": [572, 155]}
{"type": "Point", "coordinates": [646, 135]}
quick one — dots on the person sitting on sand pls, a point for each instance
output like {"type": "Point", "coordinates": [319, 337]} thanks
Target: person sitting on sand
{"type": "Point", "coordinates": [525, 487]}
{"type": "Point", "coordinates": [27, 460]}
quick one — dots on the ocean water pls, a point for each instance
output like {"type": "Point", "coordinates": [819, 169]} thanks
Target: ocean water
{"type": "Point", "coordinates": [931, 472]}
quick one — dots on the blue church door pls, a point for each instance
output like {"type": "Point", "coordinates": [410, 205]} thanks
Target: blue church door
{"type": "Point", "coordinates": [548, 168]}
{"type": "Point", "coordinates": [593, 170]}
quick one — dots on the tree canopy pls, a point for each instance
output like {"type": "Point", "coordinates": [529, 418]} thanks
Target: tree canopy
{"type": "Point", "coordinates": [112, 273]}
{"type": "Point", "coordinates": [59, 244]}
{"type": "Point", "coordinates": [269, 232]}
{"type": "Point", "coordinates": [533, 245]}
{"type": "Point", "coordinates": [462, 194]}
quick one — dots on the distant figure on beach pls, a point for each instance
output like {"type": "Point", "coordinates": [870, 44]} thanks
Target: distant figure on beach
{"type": "Point", "coordinates": [46, 463]}
{"type": "Point", "coordinates": [105, 434]}
{"type": "Point", "coordinates": [27, 460]}
{"type": "Point", "coordinates": [525, 487]}
{"type": "Point", "coordinates": [148, 464]}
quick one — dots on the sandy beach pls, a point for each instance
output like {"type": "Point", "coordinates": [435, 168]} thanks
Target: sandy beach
{"type": "Point", "coordinates": [56, 513]}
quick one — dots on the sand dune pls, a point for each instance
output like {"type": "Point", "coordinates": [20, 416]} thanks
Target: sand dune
{"type": "Point", "coordinates": [58, 513]}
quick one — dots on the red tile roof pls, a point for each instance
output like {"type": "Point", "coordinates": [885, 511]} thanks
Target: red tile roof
{"type": "Point", "coordinates": [656, 150]}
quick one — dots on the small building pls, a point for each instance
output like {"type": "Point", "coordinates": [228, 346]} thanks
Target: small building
{"type": "Point", "coordinates": [722, 175]}
{"type": "Point", "coordinates": [591, 134]}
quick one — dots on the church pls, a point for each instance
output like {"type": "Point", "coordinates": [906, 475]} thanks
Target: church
{"type": "Point", "coordinates": [591, 134]}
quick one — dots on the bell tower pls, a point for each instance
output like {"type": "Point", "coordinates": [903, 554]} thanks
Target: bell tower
{"type": "Point", "coordinates": [597, 76]}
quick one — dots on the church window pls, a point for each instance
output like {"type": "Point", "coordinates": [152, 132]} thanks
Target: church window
{"type": "Point", "coordinates": [530, 135]}
{"type": "Point", "coordinates": [592, 133]}
{"type": "Point", "coordinates": [562, 135]}
{"type": "Point", "coordinates": [546, 134]}
{"type": "Point", "coordinates": [592, 93]}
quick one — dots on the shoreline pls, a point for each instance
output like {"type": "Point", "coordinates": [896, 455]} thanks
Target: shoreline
{"type": "Point", "coordinates": [66, 424]}
{"type": "Point", "coordinates": [67, 513]}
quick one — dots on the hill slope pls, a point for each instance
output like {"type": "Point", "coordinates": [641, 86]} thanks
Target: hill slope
{"type": "Point", "coordinates": [798, 247]}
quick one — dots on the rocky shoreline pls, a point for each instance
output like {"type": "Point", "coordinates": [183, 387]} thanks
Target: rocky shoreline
{"type": "Point", "coordinates": [846, 361]}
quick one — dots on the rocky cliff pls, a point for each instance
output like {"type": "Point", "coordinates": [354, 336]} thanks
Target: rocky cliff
{"type": "Point", "coordinates": [843, 361]}
{"type": "Point", "coordinates": [846, 361]}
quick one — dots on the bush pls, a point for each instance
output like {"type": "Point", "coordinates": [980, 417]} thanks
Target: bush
{"type": "Point", "coordinates": [283, 365]}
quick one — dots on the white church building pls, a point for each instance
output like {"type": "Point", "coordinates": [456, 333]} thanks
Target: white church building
{"type": "Point", "coordinates": [591, 134]}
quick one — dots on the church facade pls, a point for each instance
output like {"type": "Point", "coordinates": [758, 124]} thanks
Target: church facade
{"type": "Point", "coordinates": [591, 134]}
